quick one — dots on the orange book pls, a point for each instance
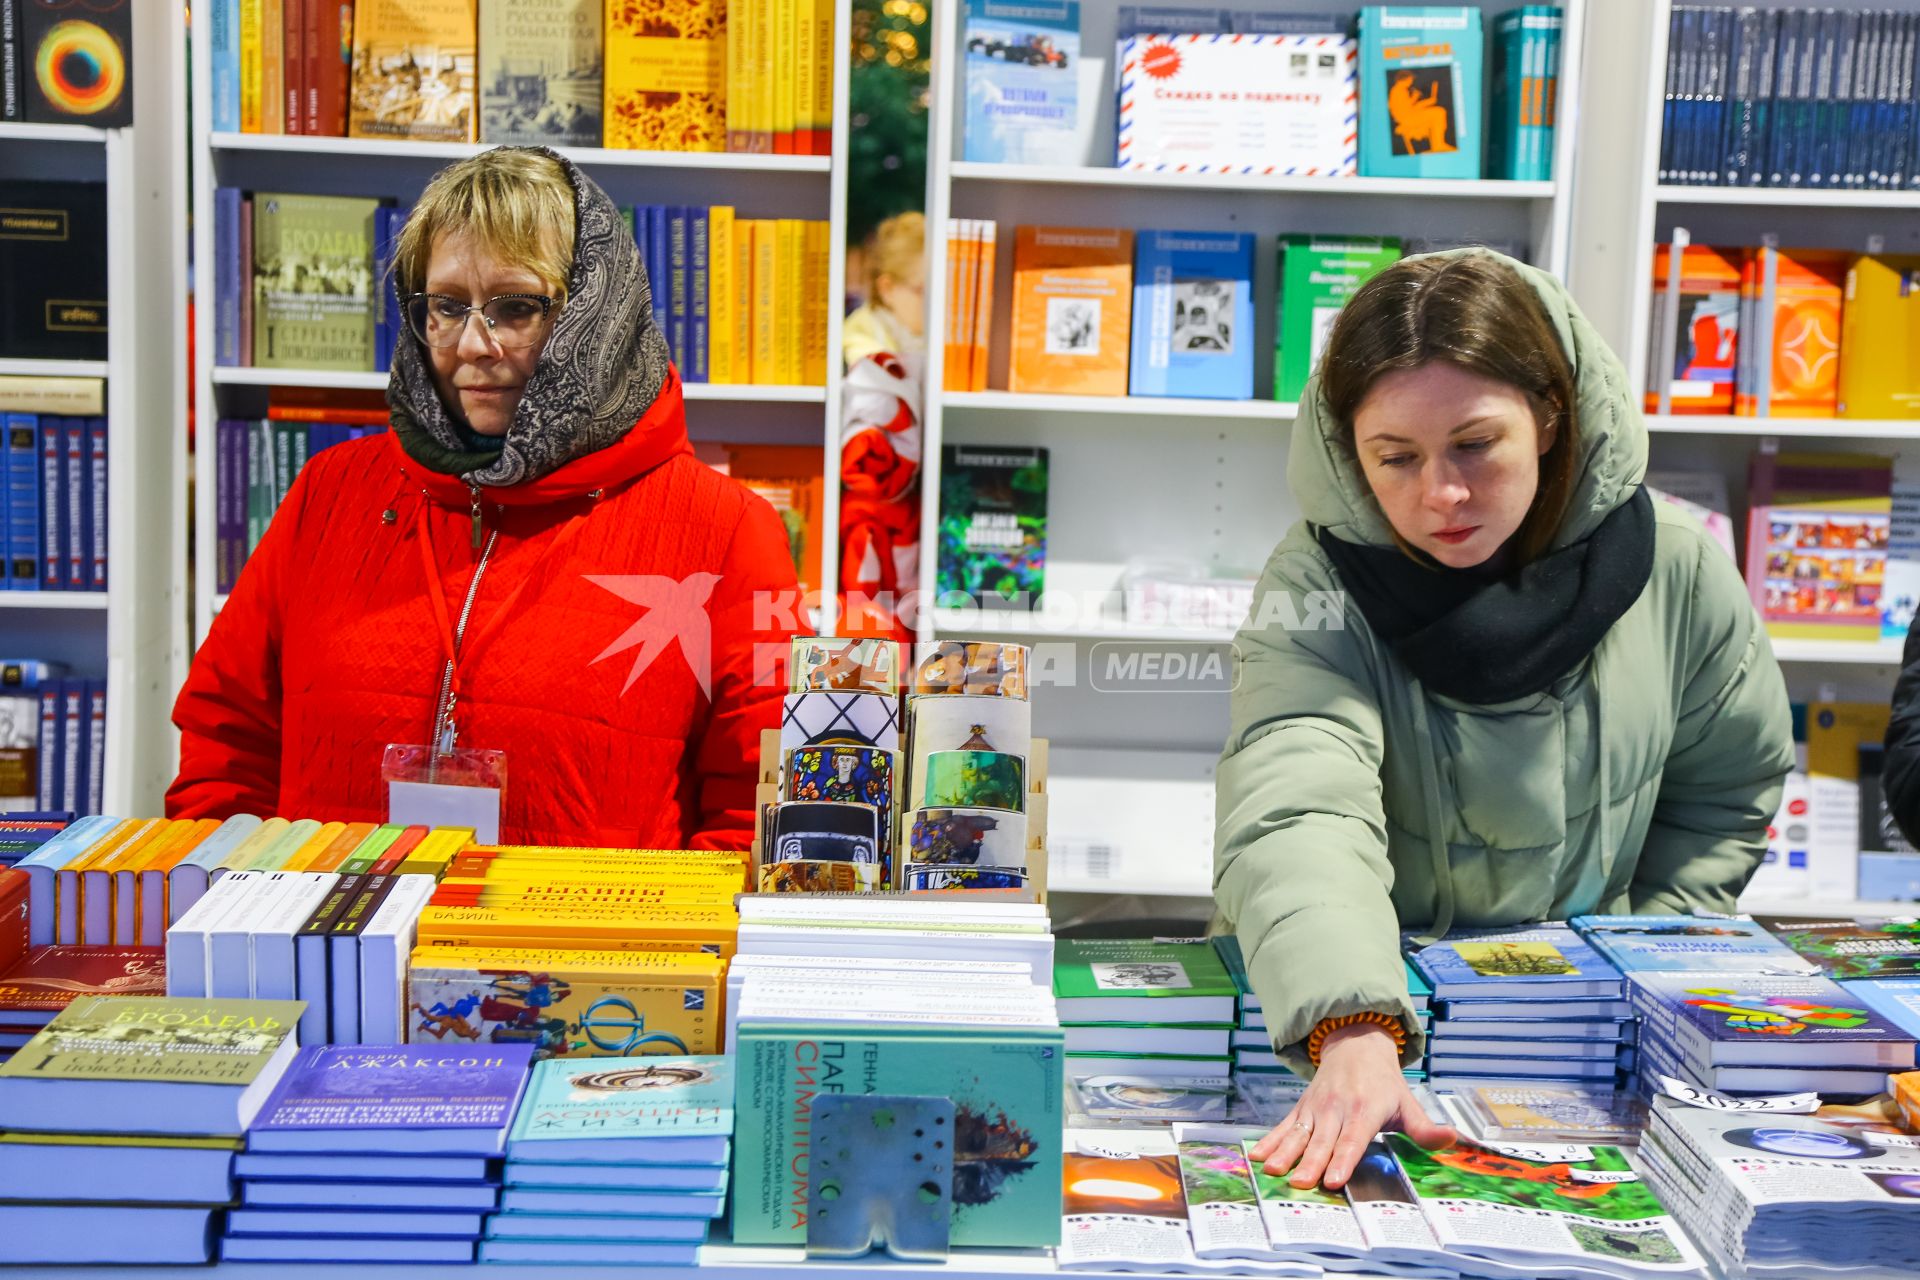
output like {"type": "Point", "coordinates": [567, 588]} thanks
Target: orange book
{"type": "Point", "coordinates": [788, 477]}
{"type": "Point", "coordinates": [1072, 306]}
{"type": "Point", "coordinates": [153, 914]}
{"type": "Point", "coordinates": [823, 79]}
{"type": "Point", "coordinates": [396, 853]}
{"type": "Point", "coordinates": [96, 876]}
{"type": "Point", "coordinates": [953, 344]}
{"type": "Point", "coordinates": [341, 846]}
{"type": "Point", "coordinates": [980, 340]}
{"type": "Point", "coordinates": [1790, 353]}
{"type": "Point", "coordinates": [1700, 358]}
{"type": "Point", "coordinates": [302, 858]}
{"type": "Point", "coordinates": [815, 250]}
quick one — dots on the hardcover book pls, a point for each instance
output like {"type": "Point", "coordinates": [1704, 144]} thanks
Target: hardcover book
{"type": "Point", "coordinates": [541, 73]}
{"type": "Point", "coordinates": [1008, 1096]}
{"type": "Point", "coordinates": [1022, 68]}
{"type": "Point", "coordinates": [666, 76]}
{"type": "Point", "coordinates": [413, 71]}
{"type": "Point", "coordinates": [1788, 361]}
{"type": "Point", "coordinates": [1688, 944]}
{"type": "Point", "coordinates": [1420, 91]}
{"type": "Point", "coordinates": [1702, 348]}
{"type": "Point", "coordinates": [395, 1100]}
{"type": "Point", "coordinates": [1139, 980]}
{"type": "Point", "coordinates": [53, 258]}
{"type": "Point", "coordinates": [1192, 315]}
{"type": "Point", "coordinates": [75, 61]}
{"type": "Point", "coordinates": [1880, 338]}
{"type": "Point", "coordinates": [664, 1111]}
{"type": "Point", "coordinates": [48, 979]}
{"type": "Point", "coordinates": [1548, 960]}
{"type": "Point", "coordinates": [1865, 948]}
{"type": "Point", "coordinates": [1735, 1020]}
{"type": "Point", "coordinates": [1317, 274]}
{"type": "Point", "coordinates": [1072, 299]}
{"type": "Point", "coordinates": [313, 282]}
{"type": "Point", "coordinates": [993, 525]}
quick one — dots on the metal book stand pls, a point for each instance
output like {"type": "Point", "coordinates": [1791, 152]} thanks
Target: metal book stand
{"type": "Point", "coordinates": [881, 1174]}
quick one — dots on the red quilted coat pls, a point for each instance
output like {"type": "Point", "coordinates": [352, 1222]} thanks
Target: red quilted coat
{"type": "Point", "coordinates": [328, 649]}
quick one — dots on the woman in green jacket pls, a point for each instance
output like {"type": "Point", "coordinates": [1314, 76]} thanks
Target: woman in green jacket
{"type": "Point", "coordinates": [1487, 681]}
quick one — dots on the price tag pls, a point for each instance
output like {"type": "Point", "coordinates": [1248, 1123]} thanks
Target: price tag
{"type": "Point", "coordinates": [1800, 1104]}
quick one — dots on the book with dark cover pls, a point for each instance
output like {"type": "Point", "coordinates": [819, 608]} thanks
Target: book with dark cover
{"type": "Point", "coordinates": [993, 524]}
{"type": "Point", "coordinates": [1766, 1020]}
{"type": "Point", "coordinates": [395, 1100]}
{"type": "Point", "coordinates": [76, 62]}
{"type": "Point", "coordinates": [53, 270]}
{"type": "Point", "coordinates": [48, 979]}
{"type": "Point", "coordinates": [1866, 948]}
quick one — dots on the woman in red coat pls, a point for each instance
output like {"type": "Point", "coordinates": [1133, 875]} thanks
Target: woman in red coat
{"type": "Point", "coordinates": [532, 560]}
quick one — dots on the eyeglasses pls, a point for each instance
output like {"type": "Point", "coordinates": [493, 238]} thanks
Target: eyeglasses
{"type": "Point", "coordinates": [513, 319]}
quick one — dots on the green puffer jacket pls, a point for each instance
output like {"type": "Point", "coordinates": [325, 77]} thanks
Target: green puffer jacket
{"type": "Point", "coordinates": [1642, 781]}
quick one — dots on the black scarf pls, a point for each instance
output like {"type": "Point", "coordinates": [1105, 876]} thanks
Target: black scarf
{"type": "Point", "coordinates": [1486, 640]}
{"type": "Point", "coordinates": [604, 363]}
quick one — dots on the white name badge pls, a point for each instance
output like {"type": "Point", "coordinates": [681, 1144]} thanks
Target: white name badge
{"type": "Point", "coordinates": [460, 788]}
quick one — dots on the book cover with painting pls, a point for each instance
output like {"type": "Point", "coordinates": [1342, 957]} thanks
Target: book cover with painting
{"type": "Point", "coordinates": [992, 546]}
{"type": "Point", "coordinates": [1072, 310]}
{"type": "Point", "coordinates": [1192, 315]}
{"type": "Point", "coordinates": [1547, 960]}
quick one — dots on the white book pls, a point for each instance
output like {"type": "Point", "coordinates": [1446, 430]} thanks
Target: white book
{"type": "Point", "coordinates": [384, 947]}
{"type": "Point", "coordinates": [275, 976]}
{"type": "Point", "coordinates": [852, 1002]}
{"type": "Point", "coordinates": [230, 942]}
{"type": "Point", "coordinates": [1200, 1041]}
{"type": "Point", "coordinates": [1146, 1065]}
{"type": "Point", "coordinates": [924, 976]}
{"type": "Point", "coordinates": [187, 938]}
{"type": "Point", "coordinates": [800, 906]}
{"type": "Point", "coordinates": [1033, 949]}
{"type": "Point", "coordinates": [890, 968]}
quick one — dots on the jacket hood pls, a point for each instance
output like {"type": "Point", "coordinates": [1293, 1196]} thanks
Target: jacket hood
{"type": "Point", "coordinates": [1327, 482]}
{"type": "Point", "coordinates": [658, 435]}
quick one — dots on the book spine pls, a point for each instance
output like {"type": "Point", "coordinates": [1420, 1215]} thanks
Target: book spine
{"type": "Point", "coordinates": [293, 66]}
{"type": "Point", "coordinates": [699, 294]}
{"type": "Point", "coordinates": [823, 46]}
{"type": "Point", "coordinates": [791, 233]}
{"type": "Point", "coordinates": [23, 502]}
{"type": "Point", "coordinates": [73, 733]}
{"type": "Point", "coordinates": [658, 268]}
{"type": "Point", "coordinates": [53, 459]}
{"type": "Point", "coordinates": [980, 344]}
{"type": "Point", "coordinates": [677, 267]}
{"type": "Point", "coordinates": [223, 32]}
{"type": "Point", "coordinates": [310, 57]}
{"type": "Point", "coordinates": [743, 369]}
{"type": "Point", "coordinates": [334, 61]}
{"type": "Point", "coordinates": [720, 259]}
{"type": "Point", "coordinates": [231, 503]}
{"type": "Point", "coordinates": [252, 20]}
{"type": "Point", "coordinates": [766, 303]}
{"type": "Point", "coordinates": [1663, 171]}
{"type": "Point", "coordinates": [805, 71]}
{"type": "Point", "coordinates": [97, 504]}
{"type": "Point", "coordinates": [49, 795]}
{"type": "Point", "coordinates": [79, 555]}
{"type": "Point", "coordinates": [953, 369]}
{"type": "Point", "coordinates": [96, 696]}
{"type": "Point", "coordinates": [246, 280]}
{"type": "Point", "coordinates": [12, 104]}
{"type": "Point", "coordinates": [813, 301]}
{"type": "Point", "coordinates": [227, 275]}
{"type": "Point", "coordinates": [382, 267]}
{"type": "Point", "coordinates": [273, 66]}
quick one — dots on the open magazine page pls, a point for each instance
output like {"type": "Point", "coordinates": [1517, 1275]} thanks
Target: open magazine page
{"type": "Point", "coordinates": [1389, 1217]}
{"type": "Point", "coordinates": [1222, 1207]}
{"type": "Point", "coordinates": [1314, 1225]}
{"type": "Point", "coordinates": [1565, 1211]}
{"type": "Point", "coordinates": [1124, 1208]}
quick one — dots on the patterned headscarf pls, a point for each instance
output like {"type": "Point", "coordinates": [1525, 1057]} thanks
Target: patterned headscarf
{"type": "Point", "coordinates": [604, 363]}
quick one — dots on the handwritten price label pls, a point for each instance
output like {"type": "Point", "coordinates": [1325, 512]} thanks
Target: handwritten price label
{"type": "Point", "coordinates": [1801, 1104]}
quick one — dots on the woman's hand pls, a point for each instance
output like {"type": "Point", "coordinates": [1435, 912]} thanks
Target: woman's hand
{"type": "Point", "coordinates": [1357, 1092]}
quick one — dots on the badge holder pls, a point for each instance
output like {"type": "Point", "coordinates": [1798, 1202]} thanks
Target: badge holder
{"type": "Point", "coordinates": [881, 1174]}
{"type": "Point", "coordinates": [459, 787]}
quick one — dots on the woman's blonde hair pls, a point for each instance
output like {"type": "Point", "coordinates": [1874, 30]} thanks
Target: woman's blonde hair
{"type": "Point", "coordinates": [515, 202]}
{"type": "Point", "coordinates": [899, 245]}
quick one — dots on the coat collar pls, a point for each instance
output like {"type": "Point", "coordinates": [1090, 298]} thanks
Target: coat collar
{"type": "Point", "coordinates": [660, 434]}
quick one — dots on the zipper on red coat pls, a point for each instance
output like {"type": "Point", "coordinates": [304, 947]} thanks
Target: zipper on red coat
{"type": "Point", "coordinates": [441, 740]}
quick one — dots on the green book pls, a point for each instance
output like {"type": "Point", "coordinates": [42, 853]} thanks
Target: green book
{"type": "Point", "coordinates": [313, 291]}
{"type": "Point", "coordinates": [1008, 1097]}
{"type": "Point", "coordinates": [368, 851]}
{"type": "Point", "coordinates": [1317, 274]}
{"type": "Point", "coordinates": [1142, 980]}
{"type": "Point", "coordinates": [150, 1065]}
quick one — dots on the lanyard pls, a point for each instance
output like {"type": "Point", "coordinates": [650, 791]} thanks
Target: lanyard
{"type": "Point", "coordinates": [450, 644]}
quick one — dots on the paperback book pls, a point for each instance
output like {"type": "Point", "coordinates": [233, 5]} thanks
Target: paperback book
{"type": "Point", "coordinates": [1192, 315]}
{"type": "Point", "coordinates": [1072, 302]}
{"type": "Point", "coordinates": [1847, 949]}
{"type": "Point", "coordinates": [1547, 961]}
{"type": "Point", "coordinates": [1743, 1020]}
{"type": "Point", "coordinates": [1688, 944]}
{"type": "Point", "coordinates": [1420, 91]}
{"type": "Point", "coordinates": [993, 525]}
{"type": "Point", "coordinates": [1317, 274]}
{"type": "Point", "coordinates": [394, 1100]}
{"type": "Point", "coordinates": [1022, 71]}
{"type": "Point", "coordinates": [1141, 981]}
{"type": "Point", "coordinates": [666, 1111]}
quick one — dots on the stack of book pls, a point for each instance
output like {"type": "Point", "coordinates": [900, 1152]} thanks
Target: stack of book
{"type": "Point", "coordinates": [1533, 1003]}
{"type": "Point", "coordinates": [615, 1163]}
{"type": "Point", "coordinates": [24, 832]}
{"type": "Point", "coordinates": [935, 926]}
{"type": "Point", "coordinates": [1145, 1007]}
{"type": "Point", "coordinates": [1253, 1050]}
{"type": "Point", "coordinates": [120, 1120]}
{"type": "Point", "coordinates": [36, 983]}
{"type": "Point", "coordinates": [1787, 1195]}
{"type": "Point", "coordinates": [376, 1155]}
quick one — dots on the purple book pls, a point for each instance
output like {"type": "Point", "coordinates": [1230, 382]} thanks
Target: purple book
{"type": "Point", "coordinates": [230, 503]}
{"type": "Point", "coordinates": [404, 1099]}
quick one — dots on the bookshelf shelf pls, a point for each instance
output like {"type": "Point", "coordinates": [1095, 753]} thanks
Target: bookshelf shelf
{"type": "Point", "coordinates": [1788, 197]}
{"type": "Point", "coordinates": [1036, 629]}
{"type": "Point", "coordinates": [1278, 184]}
{"type": "Point", "coordinates": [358, 380]}
{"type": "Point", "coordinates": [1135, 406]}
{"type": "Point", "coordinates": [368, 148]}
{"type": "Point", "coordinates": [1809, 428]}
{"type": "Point", "coordinates": [15, 132]}
{"type": "Point", "coordinates": [53, 368]}
{"type": "Point", "coordinates": [70, 601]}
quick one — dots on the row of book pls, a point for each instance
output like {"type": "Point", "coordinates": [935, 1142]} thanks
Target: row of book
{"type": "Point", "coordinates": [1392, 91]}
{"type": "Point", "coordinates": [306, 282]}
{"type": "Point", "coordinates": [1790, 97]}
{"type": "Point", "coordinates": [57, 67]}
{"type": "Point", "coordinates": [582, 73]}
{"type": "Point", "coordinates": [54, 756]}
{"type": "Point", "coordinates": [53, 273]}
{"type": "Point", "coordinates": [255, 463]}
{"type": "Point", "coordinates": [1784, 333]}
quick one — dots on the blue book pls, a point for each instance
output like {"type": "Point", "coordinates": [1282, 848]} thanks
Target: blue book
{"type": "Point", "coordinates": [53, 471]}
{"type": "Point", "coordinates": [708, 1179]}
{"type": "Point", "coordinates": [582, 1226]}
{"type": "Point", "coordinates": [353, 1222]}
{"type": "Point", "coordinates": [96, 504]}
{"type": "Point", "coordinates": [228, 271]}
{"type": "Point", "coordinates": [394, 1100]}
{"type": "Point", "coordinates": [287, 1193]}
{"type": "Point", "coordinates": [1022, 73]}
{"type": "Point", "coordinates": [1193, 315]}
{"type": "Point", "coordinates": [73, 499]}
{"type": "Point", "coordinates": [665, 1111]}
{"type": "Point", "coordinates": [699, 282]}
{"type": "Point", "coordinates": [390, 289]}
{"type": "Point", "coordinates": [384, 334]}
{"type": "Point", "coordinates": [629, 1204]}
{"type": "Point", "coordinates": [1766, 1020]}
{"type": "Point", "coordinates": [73, 740]}
{"type": "Point", "coordinates": [677, 270]}
{"type": "Point", "coordinates": [1547, 961]}
{"type": "Point", "coordinates": [657, 258]}
{"type": "Point", "coordinates": [23, 502]}
{"type": "Point", "coordinates": [48, 794]}
{"type": "Point", "coordinates": [1688, 944]}
{"type": "Point", "coordinates": [1420, 92]}
{"type": "Point", "coordinates": [96, 770]}
{"type": "Point", "coordinates": [374, 1249]}
{"type": "Point", "coordinates": [358, 1167]}
{"type": "Point", "coordinates": [224, 35]}
{"type": "Point", "coordinates": [1895, 999]}
{"type": "Point", "coordinates": [590, 1253]}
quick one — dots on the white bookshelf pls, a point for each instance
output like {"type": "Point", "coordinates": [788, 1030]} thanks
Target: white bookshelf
{"type": "Point", "coordinates": [1201, 480]}
{"type": "Point", "coordinates": [759, 186]}
{"type": "Point", "coordinates": [135, 632]}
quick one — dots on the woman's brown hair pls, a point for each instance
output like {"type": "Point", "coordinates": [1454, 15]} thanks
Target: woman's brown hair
{"type": "Point", "coordinates": [1477, 313]}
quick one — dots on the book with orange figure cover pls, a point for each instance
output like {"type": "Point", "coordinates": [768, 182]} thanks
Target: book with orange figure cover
{"type": "Point", "coordinates": [1789, 359]}
{"type": "Point", "coordinates": [1072, 310]}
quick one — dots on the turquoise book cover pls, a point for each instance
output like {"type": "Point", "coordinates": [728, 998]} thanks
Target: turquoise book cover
{"type": "Point", "coordinates": [1420, 91]}
{"type": "Point", "coordinates": [1007, 1092]}
{"type": "Point", "coordinates": [576, 1106]}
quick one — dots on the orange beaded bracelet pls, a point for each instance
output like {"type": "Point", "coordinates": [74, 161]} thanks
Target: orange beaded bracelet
{"type": "Point", "coordinates": [1328, 1026]}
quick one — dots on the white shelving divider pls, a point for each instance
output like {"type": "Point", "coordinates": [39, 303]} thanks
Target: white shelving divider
{"type": "Point", "coordinates": [1200, 480]}
{"type": "Point", "coordinates": [759, 186]}
{"type": "Point", "coordinates": [135, 632]}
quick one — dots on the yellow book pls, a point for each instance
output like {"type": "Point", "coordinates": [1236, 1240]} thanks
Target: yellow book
{"type": "Point", "coordinates": [824, 46]}
{"type": "Point", "coordinates": [739, 108]}
{"type": "Point", "coordinates": [155, 879]}
{"type": "Point", "coordinates": [121, 923]}
{"type": "Point", "coordinates": [790, 262]}
{"type": "Point", "coordinates": [317, 844]}
{"type": "Point", "coordinates": [786, 47]}
{"type": "Point", "coordinates": [569, 1003]}
{"type": "Point", "coordinates": [610, 892]}
{"type": "Point", "coordinates": [341, 846]}
{"type": "Point", "coordinates": [815, 241]}
{"type": "Point", "coordinates": [720, 258]}
{"type": "Point", "coordinates": [92, 885]}
{"type": "Point", "coordinates": [666, 76]}
{"type": "Point", "coordinates": [414, 70]}
{"type": "Point", "coordinates": [273, 854]}
{"type": "Point", "coordinates": [766, 303]}
{"type": "Point", "coordinates": [127, 867]}
{"type": "Point", "coordinates": [1880, 338]}
{"type": "Point", "coordinates": [722, 947]}
{"type": "Point", "coordinates": [253, 16]}
{"type": "Point", "coordinates": [805, 71]}
{"type": "Point", "coordinates": [66, 881]}
{"type": "Point", "coordinates": [762, 16]}
{"type": "Point", "coordinates": [980, 342]}
{"type": "Point", "coordinates": [743, 368]}
{"type": "Point", "coordinates": [245, 852]}
{"type": "Point", "coordinates": [440, 847]}
{"type": "Point", "coordinates": [273, 82]}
